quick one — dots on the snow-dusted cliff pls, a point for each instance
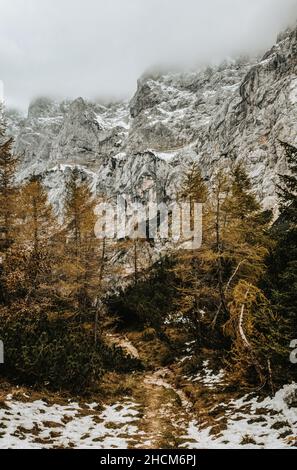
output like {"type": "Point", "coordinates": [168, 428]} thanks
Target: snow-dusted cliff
{"type": "Point", "coordinates": [238, 110]}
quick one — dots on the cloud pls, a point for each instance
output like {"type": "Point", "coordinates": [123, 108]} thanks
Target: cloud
{"type": "Point", "coordinates": [95, 48]}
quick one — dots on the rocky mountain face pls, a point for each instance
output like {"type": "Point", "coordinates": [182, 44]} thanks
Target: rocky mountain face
{"type": "Point", "coordinates": [237, 111]}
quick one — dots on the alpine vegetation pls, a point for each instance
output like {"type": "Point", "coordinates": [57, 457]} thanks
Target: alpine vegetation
{"type": "Point", "coordinates": [148, 262]}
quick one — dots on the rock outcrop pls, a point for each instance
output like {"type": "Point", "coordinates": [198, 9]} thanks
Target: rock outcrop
{"type": "Point", "coordinates": [237, 111]}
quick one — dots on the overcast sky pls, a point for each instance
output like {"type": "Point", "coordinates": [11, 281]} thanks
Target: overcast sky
{"type": "Point", "coordinates": [98, 48]}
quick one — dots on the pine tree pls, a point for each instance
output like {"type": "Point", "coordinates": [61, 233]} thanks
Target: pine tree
{"type": "Point", "coordinates": [287, 189]}
{"type": "Point", "coordinates": [281, 277]}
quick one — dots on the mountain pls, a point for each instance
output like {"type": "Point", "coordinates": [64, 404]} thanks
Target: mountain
{"type": "Point", "coordinates": [237, 111]}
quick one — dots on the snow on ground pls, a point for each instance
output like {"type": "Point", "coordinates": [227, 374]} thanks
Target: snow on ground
{"type": "Point", "coordinates": [37, 424]}
{"type": "Point", "coordinates": [246, 422]}
{"type": "Point", "coordinates": [269, 424]}
{"type": "Point", "coordinates": [208, 377]}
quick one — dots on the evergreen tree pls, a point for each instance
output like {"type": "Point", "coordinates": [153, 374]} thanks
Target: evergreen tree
{"type": "Point", "coordinates": [287, 189]}
{"type": "Point", "coordinates": [281, 277]}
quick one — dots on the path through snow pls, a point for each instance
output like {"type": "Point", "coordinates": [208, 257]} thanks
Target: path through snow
{"type": "Point", "coordinates": [158, 416]}
{"type": "Point", "coordinates": [161, 419]}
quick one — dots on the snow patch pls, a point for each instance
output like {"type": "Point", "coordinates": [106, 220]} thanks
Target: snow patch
{"type": "Point", "coordinates": [39, 425]}
{"type": "Point", "coordinates": [208, 377]}
{"type": "Point", "coordinates": [269, 424]}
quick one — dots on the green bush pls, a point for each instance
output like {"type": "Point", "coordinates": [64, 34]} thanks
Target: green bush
{"type": "Point", "coordinates": [147, 303]}
{"type": "Point", "coordinates": [114, 359]}
{"type": "Point", "coordinates": [43, 349]}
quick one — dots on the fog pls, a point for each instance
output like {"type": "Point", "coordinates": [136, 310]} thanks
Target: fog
{"type": "Point", "coordinates": [99, 48]}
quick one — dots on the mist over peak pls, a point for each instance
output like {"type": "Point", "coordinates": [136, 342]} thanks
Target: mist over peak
{"type": "Point", "coordinates": [98, 48]}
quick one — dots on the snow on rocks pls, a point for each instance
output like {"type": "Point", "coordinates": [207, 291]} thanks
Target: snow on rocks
{"type": "Point", "coordinates": [239, 109]}
{"type": "Point", "coordinates": [293, 92]}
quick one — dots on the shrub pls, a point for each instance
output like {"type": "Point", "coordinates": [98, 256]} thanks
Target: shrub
{"type": "Point", "coordinates": [114, 359]}
{"type": "Point", "coordinates": [42, 348]}
{"type": "Point", "coordinates": [147, 303]}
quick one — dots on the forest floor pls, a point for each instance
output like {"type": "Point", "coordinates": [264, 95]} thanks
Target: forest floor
{"type": "Point", "coordinates": [159, 408]}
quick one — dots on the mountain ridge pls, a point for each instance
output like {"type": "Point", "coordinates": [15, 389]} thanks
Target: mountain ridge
{"type": "Point", "coordinates": [237, 111]}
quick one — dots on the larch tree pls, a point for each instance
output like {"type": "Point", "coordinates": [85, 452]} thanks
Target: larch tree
{"type": "Point", "coordinates": [257, 338]}
{"type": "Point", "coordinates": [194, 188]}
{"type": "Point", "coordinates": [8, 165]}
{"type": "Point", "coordinates": [30, 260]}
{"type": "Point", "coordinates": [234, 247]}
{"type": "Point", "coordinates": [192, 266]}
{"type": "Point", "coordinates": [251, 324]}
{"type": "Point", "coordinates": [85, 266]}
{"type": "Point", "coordinates": [8, 195]}
{"type": "Point", "coordinates": [86, 259]}
{"type": "Point", "coordinates": [241, 240]}
{"type": "Point", "coordinates": [81, 260]}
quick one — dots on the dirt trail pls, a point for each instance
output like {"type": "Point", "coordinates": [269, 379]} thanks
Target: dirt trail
{"type": "Point", "coordinates": [164, 409]}
{"type": "Point", "coordinates": [154, 414]}
{"type": "Point", "coordinates": [124, 343]}
{"type": "Point", "coordinates": [165, 412]}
